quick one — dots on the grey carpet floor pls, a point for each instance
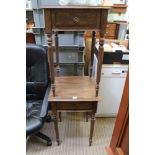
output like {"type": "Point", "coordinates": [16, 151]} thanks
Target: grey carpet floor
{"type": "Point", "coordinates": [74, 135]}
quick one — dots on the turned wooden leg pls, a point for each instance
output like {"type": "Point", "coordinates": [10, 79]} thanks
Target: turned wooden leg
{"type": "Point", "coordinates": [60, 116]}
{"type": "Point", "coordinates": [92, 128]}
{"type": "Point", "coordinates": [56, 127]}
{"type": "Point", "coordinates": [87, 116]}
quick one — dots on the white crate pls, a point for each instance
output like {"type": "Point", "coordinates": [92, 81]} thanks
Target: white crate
{"type": "Point", "coordinates": [40, 3]}
{"type": "Point", "coordinates": [38, 15]}
{"type": "Point", "coordinates": [65, 39]}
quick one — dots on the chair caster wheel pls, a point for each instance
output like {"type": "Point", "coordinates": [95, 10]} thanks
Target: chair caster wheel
{"type": "Point", "coordinates": [49, 143]}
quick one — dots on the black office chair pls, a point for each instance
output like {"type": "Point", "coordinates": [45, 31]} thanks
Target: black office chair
{"type": "Point", "coordinates": [37, 90]}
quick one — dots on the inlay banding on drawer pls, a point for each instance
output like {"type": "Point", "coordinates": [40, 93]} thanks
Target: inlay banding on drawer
{"type": "Point", "coordinates": [65, 19]}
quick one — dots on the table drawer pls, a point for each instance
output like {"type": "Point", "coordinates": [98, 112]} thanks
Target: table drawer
{"type": "Point", "coordinates": [74, 106]}
{"type": "Point", "coordinates": [76, 19]}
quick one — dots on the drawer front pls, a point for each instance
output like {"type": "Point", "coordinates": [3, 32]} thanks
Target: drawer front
{"type": "Point", "coordinates": [114, 71]}
{"type": "Point", "coordinates": [76, 19]}
{"type": "Point", "coordinates": [74, 106]}
{"type": "Point", "coordinates": [110, 30]}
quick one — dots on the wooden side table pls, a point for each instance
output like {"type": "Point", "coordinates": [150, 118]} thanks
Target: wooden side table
{"type": "Point", "coordinates": [78, 93]}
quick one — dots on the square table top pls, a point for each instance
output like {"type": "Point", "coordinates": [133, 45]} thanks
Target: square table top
{"type": "Point", "coordinates": [74, 88]}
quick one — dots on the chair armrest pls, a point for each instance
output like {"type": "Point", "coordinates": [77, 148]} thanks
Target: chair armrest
{"type": "Point", "coordinates": [44, 108]}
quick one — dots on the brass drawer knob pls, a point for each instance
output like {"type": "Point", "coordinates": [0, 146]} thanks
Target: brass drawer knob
{"type": "Point", "coordinates": [76, 20]}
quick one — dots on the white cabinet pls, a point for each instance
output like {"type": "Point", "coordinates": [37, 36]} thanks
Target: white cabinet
{"type": "Point", "coordinates": [111, 89]}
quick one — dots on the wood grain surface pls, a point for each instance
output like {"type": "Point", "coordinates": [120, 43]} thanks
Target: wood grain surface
{"type": "Point", "coordinates": [71, 88]}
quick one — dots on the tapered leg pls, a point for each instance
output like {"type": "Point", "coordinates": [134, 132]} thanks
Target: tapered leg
{"type": "Point", "coordinates": [56, 127]}
{"type": "Point", "coordinates": [92, 128]}
{"type": "Point", "coordinates": [60, 116]}
{"type": "Point", "coordinates": [86, 116]}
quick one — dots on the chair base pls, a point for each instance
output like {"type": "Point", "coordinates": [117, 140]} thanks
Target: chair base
{"type": "Point", "coordinates": [48, 119]}
{"type": "Point", "coordinates": [44, 137]}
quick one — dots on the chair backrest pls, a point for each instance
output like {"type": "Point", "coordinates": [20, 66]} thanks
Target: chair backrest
{"type": "Point", "coordinates": [37, 71]}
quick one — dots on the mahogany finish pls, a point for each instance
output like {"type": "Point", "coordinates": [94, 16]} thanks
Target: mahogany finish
{"type": "Point", "coordinates": [69, 87]}
{"type": "Point", "coordinates": [119, 8]}
{"type": "Point", "coordinates": [74, 93]}
{"type": "Point", "coordinates": [112, 30]}
{"type": "Point", "coordinates": [119, 144]}
{"type": "Point", "coordinates": [64, 19]}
